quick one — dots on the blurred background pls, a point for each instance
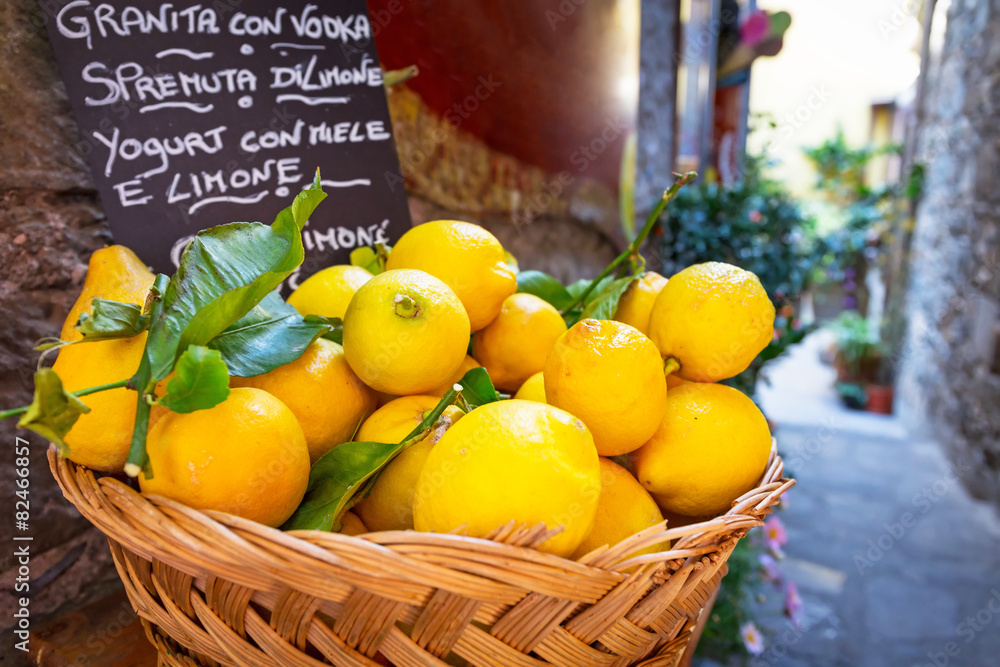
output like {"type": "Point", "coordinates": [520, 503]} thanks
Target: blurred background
{"type": "Point", "coordinates": [848, 155]}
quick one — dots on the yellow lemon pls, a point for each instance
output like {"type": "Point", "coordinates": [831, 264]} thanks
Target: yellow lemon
{"type": "Point", "coordinates": [323, 393]}
{"type": "Point", "coordinates": [467, 365]}
{"type": "Point", "coordinates": [405, 332]}
{"type": "Point", "coordinates": [623, 509]}
{"type": "Point", "coordinates": [100, 439]}
{"type": "Point", "coordinates": [713, 318]}
{"type": "Point", "coordinates": [328, 292]}
{"type": "Point", "coordinates": [246, 456]}
{"type": "Point", "coordinates": [611, 376]}
{"type": "Point", "coordinates": [674, 380]}
{"type": "Point", "coordinates": [350, 524]}
{"type": "Point", "coordinates": [466, 257]}
{"type": "Point", "coordinates": [513, 347]}
{"type": "Point", "coordinates": [533, 389]}
{"type": "Point", "coordinates": [710, 449]}
{"type": "Point", "coordinates": [637, 302]}
{"type": "Point", "coordinates": [389, 506]}
{"type": "Point", "coordinates": [113, 273]}
{"type": "Point", "coordinates": [512, 461]}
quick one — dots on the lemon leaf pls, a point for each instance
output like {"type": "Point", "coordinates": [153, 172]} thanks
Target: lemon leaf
{"type": "Point", "coordinates": [272, 334]}
{"type": "Point", "coordinates": [333, 481]}
{"type": "Point", "coordinates": [53, 411]}
{"type": "Point", "coordinates": [605, 304]}
{"type": "Point", "coordinates": [544, 287]}
{"type": "Point", "coordinates": [365, 258]}
{"type": "Point", "coordinates": [111, 319]}
{"type": "Point", "coordinates": [223, 273]}
{"type": "Point", "coordinates": [200, 381]}
{"type": "Point", "coordinates": [477, 387]}
{"type": "Point", "coordinates": [336, 332]}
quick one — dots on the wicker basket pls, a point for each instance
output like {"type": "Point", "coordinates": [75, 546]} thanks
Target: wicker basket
{"type": "Point", "coordinates": [214, 589]}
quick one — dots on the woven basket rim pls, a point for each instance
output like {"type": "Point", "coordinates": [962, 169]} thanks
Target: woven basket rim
{"type": "Point", "coordinates": [212, 588]}
{"type": "Point", "coordinates": [744, 514]}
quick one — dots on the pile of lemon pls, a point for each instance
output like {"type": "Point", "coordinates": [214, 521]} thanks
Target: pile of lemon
{"type": "Point", "coordinates": [612, 423]}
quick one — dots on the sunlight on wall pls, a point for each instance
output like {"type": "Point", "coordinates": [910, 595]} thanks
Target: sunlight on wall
{"type": "Point", "coordinates": [838, 59]}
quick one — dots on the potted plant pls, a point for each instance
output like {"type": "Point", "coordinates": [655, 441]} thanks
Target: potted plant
{"type": "Point", "coordinates": [858, 360]}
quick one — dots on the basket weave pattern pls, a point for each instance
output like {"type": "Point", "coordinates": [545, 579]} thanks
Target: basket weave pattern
{"type": "Point", "coordinates": [214, 589]}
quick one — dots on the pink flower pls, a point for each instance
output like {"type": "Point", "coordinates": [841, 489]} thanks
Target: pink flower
{"type": "Point", "coordinates": [775, 536]}
{"type": "Point", "coordinates": [755, 28]}
{"type": "Point", "coordinates": [755, 216]}
{"type": "Point", "coordinates": [793, 604]}
{"type": "Point", "coordinates": [771, 570]}
{"type": "Point", "coordinates": [752, 639]}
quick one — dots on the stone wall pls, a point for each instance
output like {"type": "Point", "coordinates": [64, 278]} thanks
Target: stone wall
{"type": "Point", "coordinates": [948, 380]}
{"type": "Point", "coordinates": [657, 104]}
{"type": "Point", "coordinates": [50, 222]}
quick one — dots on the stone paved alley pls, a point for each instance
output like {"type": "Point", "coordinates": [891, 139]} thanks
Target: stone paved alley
{"type": "Point", "coordinates": [895, 563]}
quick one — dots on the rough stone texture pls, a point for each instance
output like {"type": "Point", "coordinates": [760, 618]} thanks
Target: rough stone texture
{"type": "Point", "coordinates": [945, 378]}
{"type": "Point", "coordinates": [50, 222]}
{"type": "Point", "coordinates": [657, 102]}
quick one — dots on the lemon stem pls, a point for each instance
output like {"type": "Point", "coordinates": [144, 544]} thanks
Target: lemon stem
{"type": "Point", "coordinates": [406, 307]}
{"type": "Point", "coordinates": [13, 412]}
{"type": "Point", "coordinates": [144, 382]}
{"type": "Point", "coordinates": [671, 365]}
{"type": "Point", "coordinates": [680, 180]}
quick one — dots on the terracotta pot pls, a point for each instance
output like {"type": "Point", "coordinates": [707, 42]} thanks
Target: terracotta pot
{"type": "Point", "coordinates": [879, 399]}
{"type": "Point", "coordinates": [867, 369]}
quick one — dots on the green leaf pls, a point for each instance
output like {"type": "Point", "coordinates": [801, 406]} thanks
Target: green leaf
{"type": "Point", "coordinates": [53, 411]}
{"type": "Point", "coordinates": [371, 259]}
{"type": "Point", "coordinates": [605, 304]}
{"type": "Point", "coordinates": [336, 326]}
{"type": "Point", "coordinates": [349, 469]}
{"type": "Point", "coordinates": [224, 272]}
{"type": "Point", "coordinates": [111, 319]}
{"type": "Point", "coordinates": [333, 481]}
{"type": "Point", "coordinates": [200, 381]}
{"type": "Point", "coordinates": [271, 335]}
{"type": "Point", "coordinates": [577, 288]}
{"type": "Point", "coordinates": [365, 258]}
{"type": "Point", "coordinates": [545, 287]}
{"type": "Point", "coordinates": [477, 388]}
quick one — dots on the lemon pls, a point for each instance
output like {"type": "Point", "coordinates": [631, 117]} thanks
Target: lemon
{"type": "Point", "coordinates": [467, 365]}
{"type": "Point", "coordinates": [611, 376]}
{"type": "Point", "coordinates": [246, 456]}
{"type": "Point", "coordinates": [113, 273]}
{"type": "Point", "coordinates": [513, 347]}
{"type": "Point", "coordinates": [323, 393]}
{"type": "Point", "coordinates": [637, 302]}
{"type": "Point", "coordinates": [350, 524]}
{"type": "Point", "coordinates": [710, 449]}
{"type": "Point", "coordinates": [328, 292]}
{"type": "Point", "coordinates": [466, 257]}
{"type": "Point", "coordinates": [713, 318]}
{"type": "Point", "coordinates": [533, 389]}
{"type": "Point", "coordinates": [674, 380]}
{"type": "Point", "coordinates": [100, 439]}
{"type": "Point", "coordinates": [623, 509]}
{"type": "Point", "coordinates": [508, 461]}
{"type": "Point", "coordinates": [389, 506]}
{"type": "Point", "coordinates": [405, 332]}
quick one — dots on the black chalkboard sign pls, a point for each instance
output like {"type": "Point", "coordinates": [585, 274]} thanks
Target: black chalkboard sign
{"type": "Point", "coordinates": [194, 114]}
